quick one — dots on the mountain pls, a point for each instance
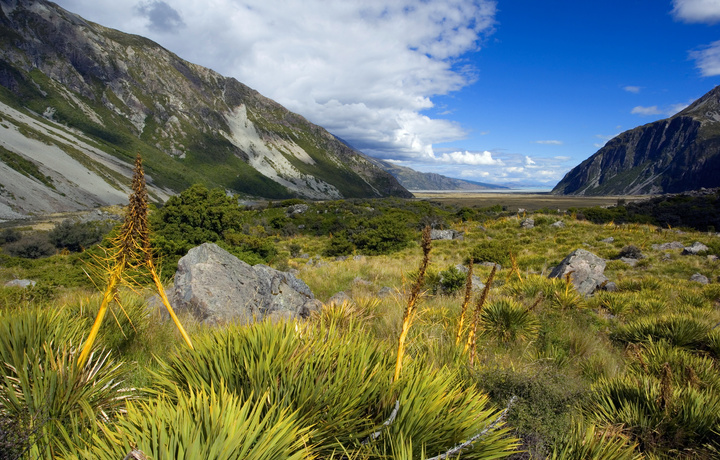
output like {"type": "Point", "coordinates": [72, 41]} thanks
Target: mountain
{"type": "Point", "coordinates": [415, 180]}
{"type": "Point", "coordinates": [79, 101]}
{"type": "Point", "coordinates": [678, 154]}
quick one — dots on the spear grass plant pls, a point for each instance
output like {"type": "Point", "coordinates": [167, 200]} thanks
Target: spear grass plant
{"type": "Point", "coordinates": [129, 251]}
{"type": "Point", "coordinates": [508, 321]}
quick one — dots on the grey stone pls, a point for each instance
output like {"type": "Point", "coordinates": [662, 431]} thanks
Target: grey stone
{"type": "Point", "coordinates": [339, 299]}
{"type": "Point", "coordinates": [702, 279]}
{"type": "Point", "coordinates": [217, 287]}
{"type": "Point", "coordinates": [20, 283]}
{"type": "Point", "coordinates": [558, 224]}
{"type": "Point", "coordinates": [585, 268]}
{"type": "Point", "coordinates": [608, 240]}
{"type": "Point", "coordinates": [445, 235]}
{"type": "Point", "coordinates": [477, 284]}
{"type": "Point", "coordinates": [695, 249]}
{"type": "Point", "coordinates": [358, 257]}
{"type": "Point", "coordinates": [609, 287]}
{"type": "Point", "coordinates": [385, 291]}
{"type": "Point", "coordinates": [528, 223]}
{"type": "Point", "coordinates": [668, 246]}
{"type": "Point", "coordinates": [297, 209]}
{"type": "Point", "coordinates": [341, 258]}
{"type": "Point", "coordinates": [629, 260]}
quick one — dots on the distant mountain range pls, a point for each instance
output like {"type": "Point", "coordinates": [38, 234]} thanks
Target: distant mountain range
{"type": "Point", "coordinates": [674, 155]}
{"type": "Point", "coordinates": [415, 180]}
{"type": "Point", "coordinates": [79, 101]}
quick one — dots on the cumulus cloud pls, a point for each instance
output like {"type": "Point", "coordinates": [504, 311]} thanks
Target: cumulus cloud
{"type": "Point", "coordinates": [162, 17]}
{"type": "Point", "coordinates": [632, 89]}
{"type": "Point", "coordinates": [469, 158]}
{"type": "Point", "coordinates": [365, 70]}
{"type": "Point", "coordinates": [702, 11]}
{"type": "Point", "coordinates": [529, 161]}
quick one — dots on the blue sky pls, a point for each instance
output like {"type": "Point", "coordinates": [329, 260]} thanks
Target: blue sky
{"type": "Point", "coordinates": [508, 92]}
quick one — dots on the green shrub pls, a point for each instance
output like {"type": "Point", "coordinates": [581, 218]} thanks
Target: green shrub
{"type": "Point", "coordinates": [452, 280]}
{"type": "Point", "coordinates": [382, 235]}
{"type": "Point", "coordinates": [9, 235]}
{"type": "Point", "coordinates": [77, 236]}
{"type": "Point", "coordinates": [32, 246]}
{"type": "Point", "coordinates": [338, 245]}
{"type": "Point", "coordinates": [494, 251]}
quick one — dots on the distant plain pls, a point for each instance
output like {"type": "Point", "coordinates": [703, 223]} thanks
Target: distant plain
{"type": "Point", "coordinates": [520, 200]}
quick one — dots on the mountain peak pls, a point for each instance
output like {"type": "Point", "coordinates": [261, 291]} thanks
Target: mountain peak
{"type": "Point", "coordinates": [673, 155]}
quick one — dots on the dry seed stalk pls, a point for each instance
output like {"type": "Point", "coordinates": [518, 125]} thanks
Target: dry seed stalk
{"type": "Point", "coordinates": [130, 250]}
{"type": "Point", "coordinates": [466, 301]}
{"type": "Point", "coordinates": [412, 301]}
{"type": "Point", "coordinates": [515, 269]}
{"type": "Point", "coordinates": [472, 336]}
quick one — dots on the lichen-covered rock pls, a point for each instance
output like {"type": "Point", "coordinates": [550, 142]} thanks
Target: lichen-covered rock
{"type": "Point", "coordinates": [217, 287]}
{"type": "Point", "coordinates": [445, 235]}
{"type": "Point", "coordinates": [668, 246]}
{"type": "Point", "coordinates": [700, 278]}
{"type": "Point", "coordinates": [528, 223]}
{"type": "Point", "coordinates": [696, 248]}
{"type": "Point", "coordinates": [585, 268]}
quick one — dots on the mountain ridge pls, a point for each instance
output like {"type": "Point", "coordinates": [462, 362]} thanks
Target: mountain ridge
{"type": "Point", "coordinates": [673, 155]}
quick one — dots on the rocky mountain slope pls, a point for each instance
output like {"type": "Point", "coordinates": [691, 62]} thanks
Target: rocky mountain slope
{"type": "Point", "coordinates": [677, 154]}
{"type": "Point", "coordinates": [415, 180]}
{"type": "Point", "coordinates": [78, 101]}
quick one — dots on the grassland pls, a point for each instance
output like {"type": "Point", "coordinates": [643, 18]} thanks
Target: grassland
{"type": "Point", "coordinates": [628, 374]}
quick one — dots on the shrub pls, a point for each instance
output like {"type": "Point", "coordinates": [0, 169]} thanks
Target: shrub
{"type": "Point", "coordinates": [382, 235]}
{"type": "Point", "coordinates": [494, 251]}
{"type": "Point", "coordinates": [33, 246]}
{"type": "Point", "coordinates": [9, 235]}
{"type": "Point", "coordinates": [339, 245]}
{"type": "Point", "coordinates": [452, 280]}
{"type": "Point", "coordinates": [77, 236]}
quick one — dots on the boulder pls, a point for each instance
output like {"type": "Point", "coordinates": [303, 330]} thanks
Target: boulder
{"type": "Point", "coordinates": [217, 287]}
{"type": "Point", "coordinates": [695, 249]}
{"type": "Point", "coordinates": [477, 284]}
{"type": "Point", "coordinates": [445, 235]}
{"type": "Point", "coordinates": [700, 278]}
{"type": "Point", "coordinates": [586, 271]}
{"type": "Point", "coordinates": [528, 223]}
{"type": "Point", "coordinates": [297, 209]}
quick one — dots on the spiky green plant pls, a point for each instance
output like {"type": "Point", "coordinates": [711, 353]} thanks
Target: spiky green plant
{"type": "Point", "coordinates": [587, 442]}
{"type": "Point", "coordinates": [680, 330]}
{"type": "Point", "coordinates": [508, 321]}
{"type": "Point", "coordinates": [660, 416]}
{"type": "Point", "coordinates": [201, 424]}
{"type": "Point", "coordinates": [41, 383]}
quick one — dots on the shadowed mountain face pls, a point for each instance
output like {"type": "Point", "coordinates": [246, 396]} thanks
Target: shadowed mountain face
{"type": "Point", "coordinates": [677, 154]}
{"type": "Point", "coordinates": [72, 91]}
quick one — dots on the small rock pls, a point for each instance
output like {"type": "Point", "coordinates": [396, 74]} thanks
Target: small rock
{"type": "Point", "coordinates": [361, 282]}
{"type": "Point", "coordinates": [358, 257]}
{"type": "Point", "coordinates": [385, 291]}
{"type": "Point", "coordinates": [528, 223]}
{"type": "Point", "coordinates": [668, 246]}
{"type": "Point", "coordinates": [20, 283]}
{"type": "Point", "coordinates": [297, 209]}
{"type": "Point", "coordinates": [341, 258]}
{"type": "Point", "coordinates": [608, 240]}
{"type": "Point", "coordinates": [629, 260]}
{"type": "Point", "coordinates": [609, 287]}
{"type": "Point", "coordinates": [339, 298]}
{"type": "Point", "coordinates": [695, 249]}
{"type": "Point", "coordinates": [445, 235]}
{"type": "Point", "coordinates": [702, 279]}
{"type": "Point", "coordinates": [558, 224]}
{"type": "Point", "coordinates": [713, 258]}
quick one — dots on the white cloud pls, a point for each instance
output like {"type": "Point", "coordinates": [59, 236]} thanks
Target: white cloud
{"type": "Point", "coordinates": [632, 89]}
{"type": "Point", "coordinates": [707, 59]}
{"type": "Point", "coordinates": [529, 161]}
{"type": "Point", "coordinates": [561, 158]}
{"type": "Point", "coordinates": [549, 142]}
{"type": "Point", "coordinates": [703, 11]}
{"type": "Point", "coordinates": [646, 111]}
{"type": "Point", "coordinates": [668, 110]}
{"type": "Point", "coordinates": [469, 158]}
{"type": "Point", "coordinates": [363, 69]}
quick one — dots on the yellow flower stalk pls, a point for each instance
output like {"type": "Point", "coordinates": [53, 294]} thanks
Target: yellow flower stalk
{"type": "Point", "coordinates": [412, 301]}
{"type": "Point", "coordinates": [472, 335]}
{"type": "Point", "coordinates": [466, 302]}
{"type": "Point", "coordinates": [130, 250]}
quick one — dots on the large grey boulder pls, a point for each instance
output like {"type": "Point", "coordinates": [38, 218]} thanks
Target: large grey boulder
{"type": "Point", "coordinates": [696, 248]}
{"type": "Point", "coordinates": [217, 287]}
{"type": "Point", "coordinates": [586, 271]}
{"type": "Point", "coordinates": [445, 235]}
